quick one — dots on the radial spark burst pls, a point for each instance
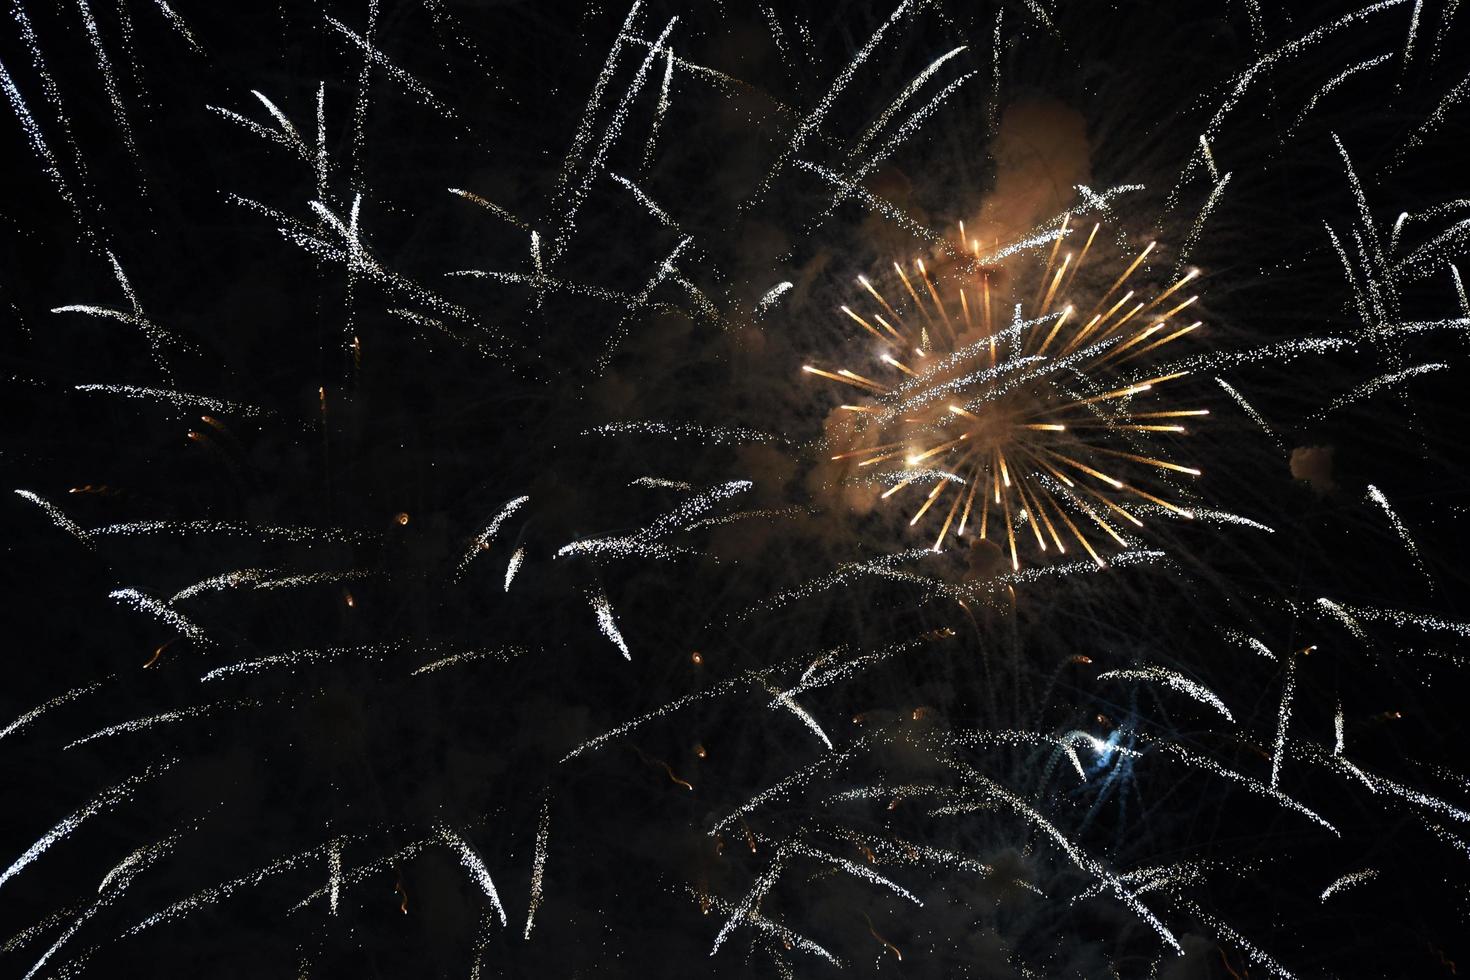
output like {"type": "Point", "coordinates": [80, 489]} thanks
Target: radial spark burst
{"type": "Point", "coordinates": [1016, 398]}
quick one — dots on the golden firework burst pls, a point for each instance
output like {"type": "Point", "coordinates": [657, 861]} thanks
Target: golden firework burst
{"type": "Point", "coordinates": [1017, 402]}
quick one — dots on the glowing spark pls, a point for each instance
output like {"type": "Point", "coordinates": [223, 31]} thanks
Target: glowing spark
{"type": "Point", "coordinates": [472, 863]}
{"type": "Point", "coordinates": [607, 623]}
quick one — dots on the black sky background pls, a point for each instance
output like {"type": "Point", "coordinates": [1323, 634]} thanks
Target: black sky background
{"type": "Point", "coordinates": [422, 425]}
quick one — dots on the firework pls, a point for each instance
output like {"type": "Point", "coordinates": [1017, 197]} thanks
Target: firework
{"type": "Point", "coordinates": [1014, 403]}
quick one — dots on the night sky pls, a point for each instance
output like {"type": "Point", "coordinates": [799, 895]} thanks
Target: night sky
{"type": "Point", "coordinates": [429, 558]}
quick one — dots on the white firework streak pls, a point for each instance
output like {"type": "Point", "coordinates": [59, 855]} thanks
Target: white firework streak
{"type": "Point", "coordinates": [217, 893]}
{"type": "Point", "coordinates": [1352, 279]}
{"type": "Point", "coordinates": [771, 513]}
{"type": "Point", "coordinates": [1401, 619]}
{"type": "Point", "coordinates": [472, 863]}
{"type": "Point", "coordinates": [743, 911]}
{"type": "Point", "coordinates": [367, 651]}
{"type": "Point", "coordinates": [663, 217]}
{"type": "Point", "coordinates": [785, 700]}
{"type": "Point", "coordinates": [481, 541]}
{"type": "Point", "coordinates": [1093, 201]}
{"type": "Point", "coordinates": [1251, 950]}
{"type": "Point", "coordinates": [1204, 146]}
{"type": "Point", "coordinates": [1376, 385]}
{"type": "Point", "coordinates": [813, 121]}
{"type": "Point", "coordinates": [1244, 79]}
{"type": "Point", "coordinates": [620, 330]}
{"type": "Point", "coordinates": [334, 874]}
{"type": "Point", "coordinates": [1250, 410]}
{"type": "Point", "coordinates": [514, 565]}
{"type": "Point", "coordinates": [629, 547]}
{"type": "Point", "coordinates": [850, 188]}
{"type": "Point", "coordinates": [1199, 221]}
{"type": "Point", "coordinates": [138, 724]}
{"type": "Point", "coordinates": [376, 57]}
{"type": "Point", "coordinates": [1172, 679]}
{"type": "Point", "coordinates": [1379, 784]}
{"type": "Point", "coordinates": [504, 655]}
{"type": "Point", "coordinates": [1021, 739]}
{"type": "Point", "coordinates": [910, 126]}
{"type": "Point", "coordinates": [659, 112]}
{"type": "Point", "coordinates": [712, 435]}
{"type": "Point", "coordinates": [1337, 731]}
{"type": "Point", "coordinates": [607, 623]}
{"type": "Point", "coordinates": [584, 126]}
{"type": "Point", "coordinates": [36, 712]}
{"type": "Point", "coordinates": [1250, 783]}
{"type": "Point", "coordinates": [771, 296]}
{"type": "Point", "coordinates": [1377, 497]}
{"type": "Point", "coordinates": [1344, 617]}
{"type": "Point", "coordinates": [431, 323]}
{"type": "Point", "coordinates": [156, 336]}
{"type": "Point", "coordinates": [543, 283]}
{"type": "Point", "coordinates": [1427, 258]}
{"type": "Point", "coordinates": [258, 578]}
{"type": "Point", "coordinates": [257, 532]}
{"type": "Point", "coordinates": [852, 868]}
{"type": "Point", "coordinates": [833, 579]}
{"type": "Point", "coordinates": [1347, 881]}
{"type": "Point", "coordinates": [728, 84]}
{"type": "Point", "coordinates": [723, 687]}
{"type": "Point", "coordinates": [177, 23]}
{"type": "Point", "coordinates": [361, 873]}
{"type": "Point", "coordinates": [1160, 878]}
{"type": "Point", "coordinates": [845, 670]}
{"type": "Point", "coordinates": [1435, 119]}
{"type": "Point", "coordinates": [109, 80]}
{"type": "Point", "coordinates": [162, 612]}
{"type": "Point", "coordinates": [1281, 352]}
{"type": "Point", "coordinates": [786, 785]}
{"type": "Point", "coordinates": [659, 483]}
{"type": "Point", "coordinates": [899, 102]}
{"type": "Point", "coordinates": [106, 800]}
{"type": "Point", "coordinates": [490, 206]}
{"type": "Point", "coordinates": [538, 867]}
{"type": "Point", "coordinates": [57, 516]}
{"type": "Point", "coordinates": [1283, 719]}
{"type": "Point", "coordinates": [120, 878]}
{"type": "Point", "coordinates": [180, 399]}
{"type": "Point", "coordinates": [1205, 516]}
{"type": "Point", "coordinates": [1333, 83]}
{"type": "Point", "coordinates": [1078, 857]}
{"type": "Point", "coordinates": [788, 937]}
{"type": "Point", "coordinates": [568, 220]}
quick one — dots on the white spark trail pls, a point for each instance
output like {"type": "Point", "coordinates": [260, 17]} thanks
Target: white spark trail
{"type": "Point", "coordinates": [514, 565]}
{"type": "Point", "coordinates": [1172, 679]}
{"type": "Point", "coordinates": [607, 623]}
{"type": "Point", "coordinates": [898, 103]}
{"type": "Point", "coordinates": [473, 864]}
{"type": "Point", "coordinates": [1377, 497]}
{"type": "Point", "coordinates": [180, 399]}
{"type": "Point", "coordinates": [538, 867]}
{"type": "Point", "coordinates": [57, 516]}
{"type": "Point", "coordinates": [1283, 719]}
{"type": "Point", "coordinates": [162, 612]}
{"type": "Point", "coordinates": [481, 541]}
{"type": "Point", "coordinates": [567, 224]}
{"type": "Point", "coordinates": [24, 720]}
{"type": "Point", "coordinates": [104, 801]}
{"type": "Point", "coordinates": [1347, 881]}
{"type": "Point", "coordinates": [813, 120]}
{"type": "Point", "coordinates": [1333, 83]}
{"type": "Point", "coordinates": [503, 655]}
